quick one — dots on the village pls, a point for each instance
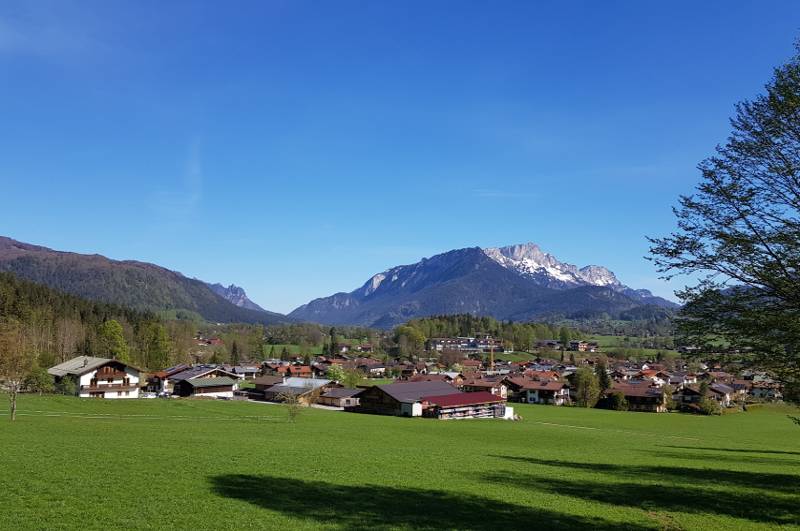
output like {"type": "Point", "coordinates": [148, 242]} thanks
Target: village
{"type": "Point", "coordinates": [459, 379]}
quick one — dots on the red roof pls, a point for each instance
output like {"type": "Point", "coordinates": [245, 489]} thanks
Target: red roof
{"type": "Point", "coordinates": [463, 399]}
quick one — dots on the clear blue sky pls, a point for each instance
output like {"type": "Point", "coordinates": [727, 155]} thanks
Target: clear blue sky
{"type": "Point", "coordinates": [297, 148]}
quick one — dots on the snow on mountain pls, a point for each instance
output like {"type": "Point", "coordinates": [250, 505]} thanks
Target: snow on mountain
{"type": "Point", "coordinates": [530, 261]}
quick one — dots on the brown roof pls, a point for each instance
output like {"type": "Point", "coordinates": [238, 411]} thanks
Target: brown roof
{"type": "Point", "coordinates": [635, 390]}
{"type": "Point", "coordinates": [463, 399]}
{"type": "Point", "coordinates": [268, 380]}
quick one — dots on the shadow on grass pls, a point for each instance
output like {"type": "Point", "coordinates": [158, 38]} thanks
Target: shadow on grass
{"type": "Point", "coordinates": [789, 483]}
{"type": "Point", "coordinates": [734, 450]}
{"type": "Point", "coordinates": [381, 507]}
{"type": "Point", "coordinates": [704, 458]}
{"type": "Point", "coordinates": [684, 489]}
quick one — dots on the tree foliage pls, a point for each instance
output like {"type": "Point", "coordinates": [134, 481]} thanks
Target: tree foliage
{"type": "Point", "coordinates": [739, 233]}
{"type": "Point", "coordinates": [587, 388]}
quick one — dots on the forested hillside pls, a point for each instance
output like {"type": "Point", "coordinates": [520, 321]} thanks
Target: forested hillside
{"type": "Point", "coordinates": [57, 326]}
{"type": "Point", "coordinates": [128, 283]}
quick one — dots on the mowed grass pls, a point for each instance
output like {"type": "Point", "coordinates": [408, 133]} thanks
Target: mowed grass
{"type": "Point", "coordinates": [155, 464]}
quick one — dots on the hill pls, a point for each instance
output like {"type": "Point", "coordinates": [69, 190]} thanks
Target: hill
{"type": "Point", "coordinates": [129, 283]}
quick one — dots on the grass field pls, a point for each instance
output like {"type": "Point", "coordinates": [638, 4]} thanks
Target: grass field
{"type": "Point", "coordinates": [93, 464]}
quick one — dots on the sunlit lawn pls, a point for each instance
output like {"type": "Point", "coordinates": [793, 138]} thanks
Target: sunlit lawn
{"type": "Point", "coordinates": [185, 464]}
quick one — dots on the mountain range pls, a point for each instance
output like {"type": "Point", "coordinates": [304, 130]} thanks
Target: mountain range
{"type": "Point", "coordinates": [130, 283]}
{"type": "Point", "coordinates": [518, 282]}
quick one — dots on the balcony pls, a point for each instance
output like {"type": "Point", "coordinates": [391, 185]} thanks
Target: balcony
{"type": "Point", "coordinates": [108, 387]}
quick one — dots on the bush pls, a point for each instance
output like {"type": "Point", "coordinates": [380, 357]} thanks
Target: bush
{"type": "Point", "coordinates": [67, 386]}
{"type": "Point", "coordinates": [617, 401]}
{"type": "Point", "coordinates": [708, 406]}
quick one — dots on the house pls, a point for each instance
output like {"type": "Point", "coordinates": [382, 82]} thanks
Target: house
{"type": "Point", "coordinates": [641, 396]}
{"type": "Point", "coordinates": [579, 346]}
{"type": "Point", "coordinates": [244, 372]}
{"type": "Point", "coordinates": [261, 384]}
{"type": "Point", "coordinates": [538, 391]}
{"type": "Point", "coordinates": [656, 377]}
{"type": "Point", "coordinates": [474, 365]}
{"type": "Point", "coordinates": [453, 378]}
{"type": "Point", "coordinates": [690, 394]}
{"type": "Point", "coordinates": [722, 393]}
{"type": "Point", "coordinates": [99, 377]}
{"type": "Point", "coordinates": [552, 344]}
{"type": "Point", "coordinates": [159, 381]}
{"type": "Point", "coordinates": [766, 390]}
{"type": "Point", "coordinates": [306, 390]}
{"type": "Point", "coordinates": [340, 397]}
{"type": "Point", "coordinates": [496, 387]}
{"type": "Point", "coordinates": [400, 399]}
{"type": "Point", "coordinates": [464, 406]}
{"type": "Point", "coordinates": [205, 380]}
{"type": "Point", "coordinates": [216, 387]}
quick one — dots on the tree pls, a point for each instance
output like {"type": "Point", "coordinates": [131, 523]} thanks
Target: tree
{"type": "Point", "coordinates": [155, 346]}
{"type": "Point", "coordinates": [410, 340]}
{"type": "Point", "coordinates": [234, 353]}
{"type": "Point", "coordinates": [112, 340]}
{"type": "Point", "coordinates": [292, 403]}
{"type": "Point", "coordinates": [587, 389]}
{"type": "Point", "coordinates": [334, 345]}
{"type": "Point", "coordinates": [16, 360]}
{"type": "Point", "coordinates": [39, 381]}
{"type": "Point", "coordinates": [449, 358]}
{"type": "Point", "coordinates": [307, 360]}
{"type": "Point", "coordinates": [603, 379]}
{"type": "Point", "coordinates": [563, 336]}
{"type": "Point", "coordinates": [617, 401]}
{"type": "Point", "coordinates": [739, 233]}
{"type": "Point", "coordinates": [352, 378]}
{"type": "Point", "coordinates": [336, 373]}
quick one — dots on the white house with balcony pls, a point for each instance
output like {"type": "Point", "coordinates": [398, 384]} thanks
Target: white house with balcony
{"type": "Point", "coordinates": [99, 377]}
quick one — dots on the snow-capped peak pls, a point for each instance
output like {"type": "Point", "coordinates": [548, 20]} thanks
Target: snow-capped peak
{"type": "Point", "coordinates": [598, 276]}
{"type": "Point", "coordinates": [529, 260]}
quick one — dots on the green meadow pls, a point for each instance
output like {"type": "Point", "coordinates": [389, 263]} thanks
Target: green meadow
{"type": "Point", "coordinates": [153, 464]}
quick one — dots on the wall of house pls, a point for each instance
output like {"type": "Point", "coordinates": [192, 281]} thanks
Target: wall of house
{"type": "Point", "coordinates": [132, 374]}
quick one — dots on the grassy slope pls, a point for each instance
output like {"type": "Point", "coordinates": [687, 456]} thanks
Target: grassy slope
{"type": "Point", "coordinates": [222, 465]}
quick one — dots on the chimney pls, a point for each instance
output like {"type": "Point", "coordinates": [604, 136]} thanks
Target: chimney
{"type": "Point", "coordinates": [85, 361]}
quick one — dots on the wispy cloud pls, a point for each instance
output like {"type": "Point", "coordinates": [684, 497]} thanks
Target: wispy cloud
{"type": "Point", "coordinates": [53, 31]}
{"type": "Point", "coordinates": [175, 204]}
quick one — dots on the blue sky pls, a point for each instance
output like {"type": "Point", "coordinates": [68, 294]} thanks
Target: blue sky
{"type": "Point", "coordinates": [297, 148]}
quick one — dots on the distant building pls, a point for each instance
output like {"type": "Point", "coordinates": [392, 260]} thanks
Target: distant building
{"type": "Point", "coordinates": [99, 377]}
{"type": "Point", "coordinates": [340, 397]}
{"type": "Point", "coordinates": [400, 399]}
{"type": "Point", "coordinates": [478, 405]}
{"type": "Point", "coordinates": [539, 391]}
{"type": "Point", "coordinates": [302, 388]}
{"type": "Point", "coordinates": [205, 380]}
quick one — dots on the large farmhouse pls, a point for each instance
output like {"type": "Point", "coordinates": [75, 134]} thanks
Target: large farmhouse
{"type": "Point", "coordinates": [435, 399]}
{"type": "Point", "coordinates": [99, 377]}
{"type": "Point", "coordinates": [474, 405]}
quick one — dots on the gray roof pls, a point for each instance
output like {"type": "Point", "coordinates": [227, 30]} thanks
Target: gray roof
{"type": "Point", "coordinates": [211, 382]}
{"type": "Point", "coordinates": [306, 382]}
{"type": "Point", "coordinates": [413, 391]}
{"type": "Point", "coordinates": [288, 390]}
{"type": "Point", "coordinates": [78, 366]}
{"type": "Point", "coordinates": [342, 392]}
{"type": "Point", "coordinates": [197, 372]}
